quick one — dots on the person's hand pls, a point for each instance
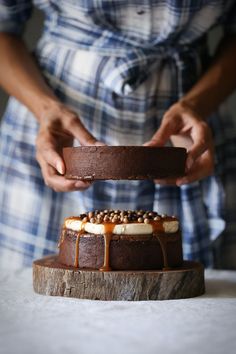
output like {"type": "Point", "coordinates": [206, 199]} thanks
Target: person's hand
{"type": "Point", "coordinates": [58, 128]}
{"type": "Point", "coordinates": [185, 128]}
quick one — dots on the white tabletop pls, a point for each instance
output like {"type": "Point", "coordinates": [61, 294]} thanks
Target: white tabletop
{"type": "Point", "coordinates": [31, 323]}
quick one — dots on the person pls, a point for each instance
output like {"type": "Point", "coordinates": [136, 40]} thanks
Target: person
{"type": "Point", "coordinates": [117, 73]}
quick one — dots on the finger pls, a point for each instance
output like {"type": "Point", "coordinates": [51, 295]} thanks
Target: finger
{"type": "Point", "coordinates": [168, 127]}
{"type": "Point", "coordinates": [78, 130]}
{"type": "Point", "coordinates": [202, 168]}
{"type": "Point", "coordinates": [153, 142]}
{"type": "Point", "coordinates": [166, 181]}
{"type": "Point", "coordinates": [60, 183]}
{"type": "Point", "coordinates": [49, 154]}
{"type": "Point", "coordinates": [202, 141]}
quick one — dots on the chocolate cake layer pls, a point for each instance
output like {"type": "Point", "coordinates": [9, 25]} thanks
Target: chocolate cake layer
{"type": "Point", "coordinates": [129, 252]}
{"type": "Point", "coordinates": [123, 162]}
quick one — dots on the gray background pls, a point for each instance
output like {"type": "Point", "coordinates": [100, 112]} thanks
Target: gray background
{"type": "Point", "coordinates": [32, 33]}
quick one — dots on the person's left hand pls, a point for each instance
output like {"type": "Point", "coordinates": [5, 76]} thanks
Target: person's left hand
{"type": "Point", "coordinates": [185, 128]}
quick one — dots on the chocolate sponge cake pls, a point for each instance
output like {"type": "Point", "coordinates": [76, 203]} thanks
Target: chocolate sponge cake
{"type": "Point", "coordinates": [123, 162]}
{"type": "Point", "coordinates": [121, 240]}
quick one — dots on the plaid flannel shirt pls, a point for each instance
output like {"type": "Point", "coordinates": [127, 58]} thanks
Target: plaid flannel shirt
{"type": "Point", "coordinates": [120, 65]}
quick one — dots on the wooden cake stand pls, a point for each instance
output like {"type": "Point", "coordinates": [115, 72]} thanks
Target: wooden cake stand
{"type": "Point", "coordinates": [52, 278]}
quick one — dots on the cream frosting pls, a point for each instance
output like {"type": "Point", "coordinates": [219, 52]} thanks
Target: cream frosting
{"type": "Point", "coordinates": [169, 226]}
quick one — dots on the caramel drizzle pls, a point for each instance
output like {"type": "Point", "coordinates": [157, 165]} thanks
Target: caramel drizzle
{"type": "Point", "coordinates": [158, 228]}
{"type": "Point", "coordinates": [163, 244]}
{"type": "Point", "coordinates": [76, 260]}
{"type": "Point", "coordinates": [109, 227]}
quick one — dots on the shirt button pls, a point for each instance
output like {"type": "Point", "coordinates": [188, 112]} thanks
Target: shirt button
{"type": "Point", "coordinates": [140, 10]}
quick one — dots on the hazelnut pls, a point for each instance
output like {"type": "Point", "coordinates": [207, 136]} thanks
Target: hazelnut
{"type": "Point", "coordinates": [157, 218]}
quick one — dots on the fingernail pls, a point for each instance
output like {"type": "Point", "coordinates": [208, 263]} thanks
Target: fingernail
{"type": "Point", "coordinates": [59, 168]}
{"type": "Point", "coordinates": [100, 143]}
{"type": "Point", "coordinates": [149, 143]}
{"type": "Point", "coordinates": [80, 184]}
{"type": "Point", "coordinates": [181, 181]}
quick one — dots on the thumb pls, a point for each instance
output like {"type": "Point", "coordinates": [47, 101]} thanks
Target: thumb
{"type": "Point", "coordinates": [162, 135]}
{"type": "Point", "coordinates": [78, 130]}
{"type": "Point", "coordinates": [52, 158]}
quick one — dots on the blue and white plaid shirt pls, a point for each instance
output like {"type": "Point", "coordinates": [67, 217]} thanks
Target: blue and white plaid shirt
{"type": "Point", "coordinates": [120, 65]}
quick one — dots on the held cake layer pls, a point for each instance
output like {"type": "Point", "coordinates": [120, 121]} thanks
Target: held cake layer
{"type": "Point", "coordinates": [121, 240]}
{"type": "Point", "coordinates": [123, 162]}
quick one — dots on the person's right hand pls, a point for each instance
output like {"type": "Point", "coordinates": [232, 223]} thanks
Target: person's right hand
{"type": "Point", "coordinates": [59, 126]}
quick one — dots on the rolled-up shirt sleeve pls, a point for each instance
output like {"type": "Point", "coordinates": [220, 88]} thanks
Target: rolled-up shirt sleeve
{"type": "Point", "coordinates": [14, 14]}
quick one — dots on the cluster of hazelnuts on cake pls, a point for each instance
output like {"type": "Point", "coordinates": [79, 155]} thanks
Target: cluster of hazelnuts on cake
{"type": "Point", "coordinates": [121, 216]}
